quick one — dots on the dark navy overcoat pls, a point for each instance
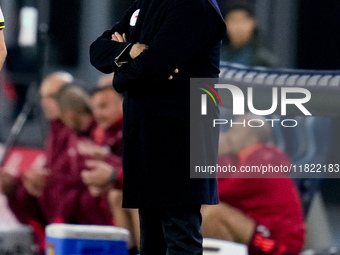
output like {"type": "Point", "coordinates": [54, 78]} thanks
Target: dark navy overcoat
{"type": "Point", "coordinates": [183, 34]}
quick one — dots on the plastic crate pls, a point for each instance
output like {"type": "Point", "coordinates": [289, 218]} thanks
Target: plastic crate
{"type": "Point", "coordinates": [67, 239]}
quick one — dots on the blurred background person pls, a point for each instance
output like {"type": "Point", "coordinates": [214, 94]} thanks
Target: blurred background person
{"type": "Point", "coordinates": [108, 114]}
{"type": "Point", "coordinates": [28, 197]}
{"type": "Point", "coordinates": [242, 44]}
{"type": "Point", "coordinates": [78, 204]}
{"type": "Point", "coordinates": [263, 213]}
{"type": "Point", "coordinates": [43, 183]}
{"type": "Point", "coordinates": [107, 111]}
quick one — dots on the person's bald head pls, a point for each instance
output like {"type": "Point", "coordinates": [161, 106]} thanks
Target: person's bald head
{"type": "Point", "coordinates": [49, 88]}
{"type": "Point", "coordinates": [53, 82]}
{"type": "Point", "coordinates": [241, 136]}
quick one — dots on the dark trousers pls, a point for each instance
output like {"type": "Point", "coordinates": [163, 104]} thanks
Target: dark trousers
{"type": "Point", "coordinates": [171, 231]}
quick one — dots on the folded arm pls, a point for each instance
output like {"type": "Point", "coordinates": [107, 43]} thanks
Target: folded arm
{"type": "Point", "coordinates": [105, 52]}
{"type": "Point", "coordinates": [185, 32]}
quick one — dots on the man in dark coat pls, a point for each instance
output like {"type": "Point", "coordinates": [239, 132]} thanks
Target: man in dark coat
{"type": "Point", "coordinates": [154, 38]}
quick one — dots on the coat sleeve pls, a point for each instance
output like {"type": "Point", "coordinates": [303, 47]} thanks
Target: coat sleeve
{"type": "Point", "coordinates": [105, 53]}
{"type": "Point", "coordinates": [189, 27]}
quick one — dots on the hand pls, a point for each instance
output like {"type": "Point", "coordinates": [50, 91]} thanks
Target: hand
{"type": "Point", "coordinates": [137, 49]}
{"type": "Point", "coordinates": [96, 191]}
{"type": "Point", "coordinates": [98, 174]}
{"type": "Point", "coordinates": [34, 181]}
{"type": "Point", "coordinates": [7, 183]}
{"type": "Point", "coordinates": [88, 148]}
{"type": "Point", "coordinates": [171, 77]}
{"type": "Point", "coordinates": [118, 38]}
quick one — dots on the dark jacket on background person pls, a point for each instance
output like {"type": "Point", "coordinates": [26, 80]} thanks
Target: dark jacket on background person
{"type": "Point", "coordinates": [77, 205]}
{"type": "Point", "coordinates": [25, 206]}
{"type": "Point", "coordinates": [38, 212]}
{"type": "Point", "coordinates": [112, 138]}
{"type": "Point", "coordinates": [183, 34]}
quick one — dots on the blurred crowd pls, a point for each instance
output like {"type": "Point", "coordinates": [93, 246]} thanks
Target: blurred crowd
{"type": "Point", "coordinates": [82, 179]}
{"type": "Point", "coordinates": [81, 182]}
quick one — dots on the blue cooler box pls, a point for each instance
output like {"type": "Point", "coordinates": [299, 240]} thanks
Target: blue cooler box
{"type": "Point", "coordinates": [67, 239]}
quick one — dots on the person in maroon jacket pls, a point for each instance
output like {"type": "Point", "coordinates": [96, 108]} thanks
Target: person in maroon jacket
{"type": "Point", "coordinates": [41, 182]}
{"type": "Point", "coordinates": [264, 213]}
{"type": "Point", "coordinates": [108, 114]}
{"type": "Point", "coordinates": [31, 196]}
{"type": "Point", "coordinates": [78, 204]}
{"type": "Point", "coordinates": [107, 111]}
